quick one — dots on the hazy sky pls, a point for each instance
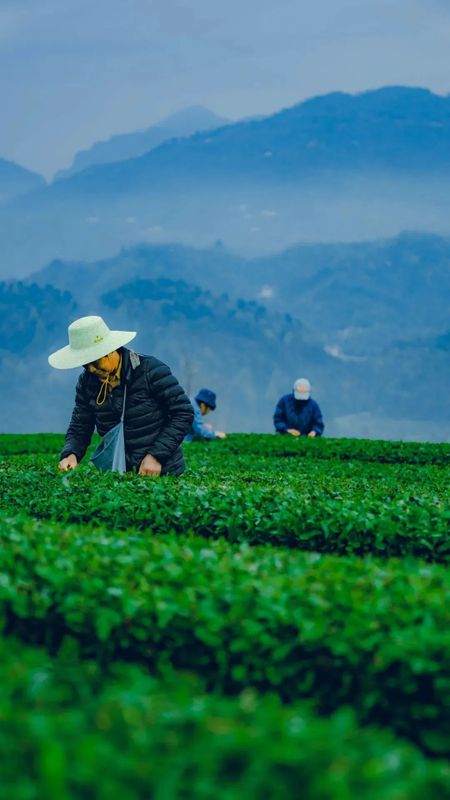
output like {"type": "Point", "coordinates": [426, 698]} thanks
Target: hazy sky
{"type": "Point", "coordinates": [75, 71]}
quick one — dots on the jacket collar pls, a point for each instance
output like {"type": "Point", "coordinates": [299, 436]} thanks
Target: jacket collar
{"type": "Point", "coordinates": [126, 364]}
{"type": "Point", "coordinates": [130, 361]}
{"type": "Point", "coordinates": [303, 402]}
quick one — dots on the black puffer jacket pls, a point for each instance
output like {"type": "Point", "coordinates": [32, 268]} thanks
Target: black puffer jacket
{"type": "Point", "coordinates": [158, 414]}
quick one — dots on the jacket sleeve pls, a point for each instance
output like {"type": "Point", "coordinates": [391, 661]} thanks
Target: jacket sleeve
{"type": "Point", "coordinates": [318, 424]}
{"type": "Point", "coordinates": [177, 409]}
{"type": "Point", "coordinates": [199, 427]}
{"type": "Point", "coordinates": [279, 417]}
{"type": "Point", "coordinates": [81, 427]}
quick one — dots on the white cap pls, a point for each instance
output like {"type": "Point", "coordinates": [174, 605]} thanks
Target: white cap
{"type": "Point", "coordinates": [302, 389]}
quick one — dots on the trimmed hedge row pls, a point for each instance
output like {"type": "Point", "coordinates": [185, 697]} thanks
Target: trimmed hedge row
{"type": "Point", "coordinates": [67, 732]}
{"type": "Point", "coordinates": [278, 514]}
{"type": "Point", "coordinates": [386, 452]}
{"type": "Point", "coordinates": [12, 444]}
{"type": "Point", "coordinates": [339, 630]}
{"type": "Point", "coordinates": [211, 469]}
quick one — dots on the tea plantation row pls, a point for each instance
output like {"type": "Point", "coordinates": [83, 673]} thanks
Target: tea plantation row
{"type": "Point", "coordinates": [268, 445]}
{"type": "Point", "coordinates": [68, 730]}
{"type": "Point", "coordinates": [338, 630]}
{"type": "Point", "coordinates": [308, 509]}
{"type": "Point", "coordinates": [277, 618]}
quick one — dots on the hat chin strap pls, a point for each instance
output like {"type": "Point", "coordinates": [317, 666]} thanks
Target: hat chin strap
{"type": "Point", "coordinates": [109, 379]}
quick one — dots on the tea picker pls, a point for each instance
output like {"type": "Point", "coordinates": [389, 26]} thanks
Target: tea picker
{"type": "Point", "coordinates": [297, 413]}
{"type": "Point", "coordinates": [133, 401]}
{"type": "Point", "coordinates": [203, 404]}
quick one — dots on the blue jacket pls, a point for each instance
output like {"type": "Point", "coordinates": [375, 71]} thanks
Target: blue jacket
{"type": "Point", "coordinates": [199, 429]}
{"type": "Point", "coordinates": [303, 415]}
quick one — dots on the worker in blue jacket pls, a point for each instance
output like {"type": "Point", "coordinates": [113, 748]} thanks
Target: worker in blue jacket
{"type": "Point", "coordinates": [203, 404]}
{"type": "Point", "coordinates": [297, 413]}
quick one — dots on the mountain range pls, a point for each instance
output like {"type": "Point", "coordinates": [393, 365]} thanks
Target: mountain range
{"type": "Point", "coordinates": [358, 298]}
{"type": "Point", "coordinates": [236, 346]}
{"type": "Point", "coordinates": [131, 145]}
{"type": "Point", "coordinates": [240, 299]}
{"type": "Point", "coordinates": [16, 181]}
{"type": "Point", "coordinates": [334, 168]}
{"type": "Point", "coordinates": [367, 323]}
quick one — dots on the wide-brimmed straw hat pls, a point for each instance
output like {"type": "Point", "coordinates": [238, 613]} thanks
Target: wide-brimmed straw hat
{"type": "Point", "coordinates": [89, 339]}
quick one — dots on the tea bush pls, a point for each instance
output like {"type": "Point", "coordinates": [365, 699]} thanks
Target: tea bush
{"type": "Point", "coordinates": [338, 449]}
{"type": "Point", "coordinates": [70, 731]}
{"type": "Point", "coordinates": [339, 630]}
{"type": "Point", "coordinates": [274, 619]}
{"type": "Point", "coordinates": [312, 512]}
{"type": "Point", "coordinates": [12, 444]}
{"type": "Point", "coordinates": [269, 445]}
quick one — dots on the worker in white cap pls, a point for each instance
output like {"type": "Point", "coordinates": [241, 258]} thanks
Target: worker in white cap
{"type": "Point", "coordinates": [297, 413]}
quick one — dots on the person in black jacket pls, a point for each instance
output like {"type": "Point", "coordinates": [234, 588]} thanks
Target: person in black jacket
{"type": "Point", "coordinates": [297, 413]}
{"type": "Point", "coordinates": [158, 414]}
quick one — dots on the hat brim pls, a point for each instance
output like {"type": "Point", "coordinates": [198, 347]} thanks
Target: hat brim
{"type": "Point", "coordinates": [69, 358]}
{"type": "Point", "coordinates": [302, 395]}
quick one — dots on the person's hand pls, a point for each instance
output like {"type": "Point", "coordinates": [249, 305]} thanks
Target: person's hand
{"type": "Point", "coordinates": [208, 426]}
{"type": "Point", "coordinates": [220, 435]}
{"type": "Point", "coordinates": [69, 462]}
{"type": "Point", "coordinates": [293, 432]}
{"type": "Point", "coordinates": [150, 466]}
{"type": "Point", "coordinates": [312, 434]}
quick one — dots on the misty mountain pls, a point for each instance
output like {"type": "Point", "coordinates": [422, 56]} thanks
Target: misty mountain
{"type": "Point", "coordinates": [131, 145]}
{"type": "Point", "coordinates": [16, 180]}
{"type": "Point", "coordinates": [238, 347]}
{"type": "Point", "coordinates": [358, 298]}
{"type": "Point", "coordinates": [393, 128]}
{"type": "Point", "coordinates": [334, 168]}
{"type": "Point", "coordinates": [365, 295]}
{"type": "Point", "coordinates": [362, 321]}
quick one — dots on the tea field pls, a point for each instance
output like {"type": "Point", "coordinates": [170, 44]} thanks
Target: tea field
{"type": "Point", "coordinates": [272, 625]}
